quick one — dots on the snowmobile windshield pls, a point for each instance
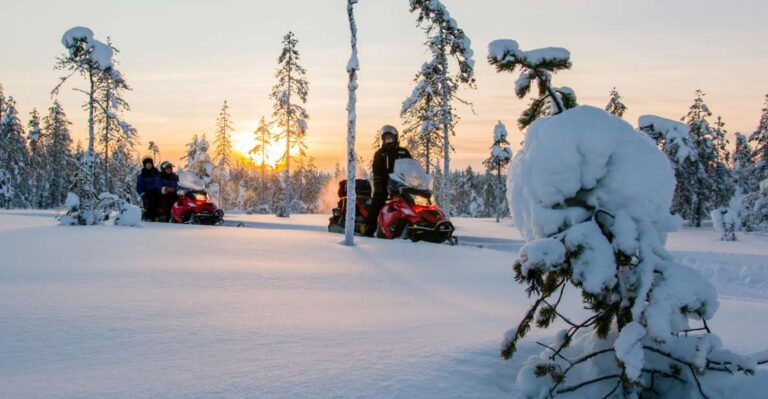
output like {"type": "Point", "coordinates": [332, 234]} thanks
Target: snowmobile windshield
{"type": "Point", "coordinates": [199, 196]}
{"type": "Point", "coordinates": [409, 173]}
{"type": "Point", "coordinates": [191, 181]}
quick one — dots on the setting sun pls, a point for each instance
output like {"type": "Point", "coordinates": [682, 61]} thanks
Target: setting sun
{"type": "Point", "coordinates": [243, 142]}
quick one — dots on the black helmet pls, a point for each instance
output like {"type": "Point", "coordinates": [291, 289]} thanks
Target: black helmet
{"type": "Point", "coordinates": [147, 159]}
{"type": "Point", "coordinates": [165, 164]}
{"type": "Point", "coordinates": [388, 129]}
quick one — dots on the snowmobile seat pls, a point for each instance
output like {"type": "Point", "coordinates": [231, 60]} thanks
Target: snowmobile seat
{"type": "Point", "coordinates": [362, 188]}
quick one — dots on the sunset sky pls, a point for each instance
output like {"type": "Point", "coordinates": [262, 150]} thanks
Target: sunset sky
{"type": "Point", "coordinates": [184, 58]}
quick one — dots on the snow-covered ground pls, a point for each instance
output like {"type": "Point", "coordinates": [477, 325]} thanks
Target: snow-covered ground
{"type": "Point", "coordinates": [279, 308]}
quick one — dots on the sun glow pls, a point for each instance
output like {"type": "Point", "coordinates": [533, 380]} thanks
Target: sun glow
{"type": "Point", "coordinates": [243, 143]}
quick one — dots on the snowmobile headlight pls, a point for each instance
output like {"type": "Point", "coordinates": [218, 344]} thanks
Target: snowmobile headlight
{"type": "Point", "coordinates": [421, 200]}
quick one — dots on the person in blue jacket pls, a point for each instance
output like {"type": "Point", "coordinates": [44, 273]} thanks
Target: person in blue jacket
{"type": "Point", "coordinates": [148, 186]}
{"type": "Point", "coordinates": [169, 183]}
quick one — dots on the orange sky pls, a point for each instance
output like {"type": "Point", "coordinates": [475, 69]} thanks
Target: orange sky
{"type": "Point", "coordinates": [184, 58]}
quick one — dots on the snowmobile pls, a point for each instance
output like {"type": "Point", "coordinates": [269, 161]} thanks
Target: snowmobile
{"type": "Point", "coordinates": [362, 205]}
{"type": "Point", "coordinates": [195, 207]}
{"type": "Point", "coordinates": [410, 212]}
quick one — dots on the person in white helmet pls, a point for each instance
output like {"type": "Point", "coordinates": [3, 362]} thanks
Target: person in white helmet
{"type": "Point", "coordinates": [384, 164]}
{"type": "Point", "coordinates": [169, 183]}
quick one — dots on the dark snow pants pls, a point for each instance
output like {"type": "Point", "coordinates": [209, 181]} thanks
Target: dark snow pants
{"type": "Point", "coordinates": [380, 196]}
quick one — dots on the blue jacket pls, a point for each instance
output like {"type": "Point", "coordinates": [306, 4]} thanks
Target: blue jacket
{"type": "Point", "coordinates": [148, 180]}
{"type": "Point", "coordinates": [169, 180]}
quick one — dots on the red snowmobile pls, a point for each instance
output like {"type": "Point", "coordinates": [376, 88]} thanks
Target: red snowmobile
{"type": "Point", "coordinates": [409, 213]}
{"type": "Point", "coordinates": [362, 202]}
{"type": "Point", "coordinates": [194, 207]}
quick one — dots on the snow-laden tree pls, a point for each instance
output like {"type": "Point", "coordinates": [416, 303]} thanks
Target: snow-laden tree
{"type": "Point", "coordinates": [758, 214]}
{"type": "Point", "coordinates": [87, 57]}
{"type": "Point", "coordinates": [117, 138]}
{"type": "Point", "coordinates": [289, 117]}
{"type": "Point", "coordinates": [501, 154]}
{"type": "Point", "coordinates": [199, 163]}
{"type": "Point", "coordinates": [744, 165]}
{"type": "Point", "coordinates": [223, 138]}
{"type": "Point", "coordinates": [421, 117]}
{"type": "Point", "coordinates": [38, 162]}
{"type": "Point", "coordinates": [704, 189]}
{"type": "Point", "coordinates": [719, 168]}
{"type": "Point", "coordinates": [58, 148]}
{"type": "Point", "coordinates": [262, 139]}
{"type": "Point", "coordinates": [447, 43]}
{"type": "Point", "coordinates": [14, 158]}
{"type": "Point", "coordinates": [675, 140]}
{"type": "Point", "coordinates": [615, 106]}
{"type": "Point", "coordinates": [759, 141]}
{"type": "Point", "coordinates": [595, 217]}
{"type": "Point", "coordinates": [353, 65]}
{"type": "Point", "coordinates": [537, 66]}
{"type": "Point", "coordinates": [223, 156]}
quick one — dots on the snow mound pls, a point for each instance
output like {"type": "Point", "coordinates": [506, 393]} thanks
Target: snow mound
{"type": "Point", "coordinates": [130, 215]}
{"type": "Point", "coordinates": [71, 36]}
{"type": "Point", "coordinates": [586, 156]}
{"type": "Point", "coordinates": [102, 54]}
{"type": "Point", "coordinates": [505, 50]}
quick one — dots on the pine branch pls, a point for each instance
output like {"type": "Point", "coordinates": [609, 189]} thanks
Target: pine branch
{"type": "Point", "coordinates": [585, 383]}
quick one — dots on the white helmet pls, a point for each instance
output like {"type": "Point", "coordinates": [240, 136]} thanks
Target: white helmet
{"type": "Point", "coordinates": [388, 129]}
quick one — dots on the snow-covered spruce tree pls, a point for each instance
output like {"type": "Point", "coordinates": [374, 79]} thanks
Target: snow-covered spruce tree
{"type": "Point", "coordinates": [223, 156]}
{"type": "Point", "coordinates": [38, 162]}
{"type": "Point", "coordinates": [745, 180]}
{"type": "Point", "coordinates": [674, 139]}
{"type": "Point", "coordinates": [501, 154]}
{"type": "Point", "coordinates": [719, 169]}
{"type": "Point", "coordinates": [615, 107]}
{"type": "Point", "coordinates": [116, 137]}
{"type": "Point", "coordinates": [535, 65]}
{"type": "Point", "coordinates": [14, 157]}
{"type": "Point", "coordinates": [701, 180]}
{"type": "Point", "coordinates": [744, 165]}
{"type": "Point", "coordinates": [758, 214]}
{"type": "Point", "coordinates": [58, 148]}
{"type": "Point", "coordinates": [290, 118]}
{"type": "Point", "coordinates": [446, 42]}
{"type": "Point", "coordinates": [88, 57]}
{"type": "Point", "coordinates": [200, 164]}
{"type": "Point", "coordinates": [421, 117]}
{"type": "Point", "coordinates": [353, 65]}
{"type": "Point", "coordinates": [263, 140]}
{"type": "Point", "coordinates": [759, 141]}
{"type": "Point", "coordinates": [595, 217]}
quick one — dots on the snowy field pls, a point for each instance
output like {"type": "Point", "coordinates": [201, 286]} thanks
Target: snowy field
{"type": "Point", "coordinates": [279, 309]}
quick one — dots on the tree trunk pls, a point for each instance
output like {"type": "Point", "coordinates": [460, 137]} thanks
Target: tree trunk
{"type": "Point", "coordinates": [288, 188]}
{"type": "Point", "coordinates": [445, 115]}
{"type": "Point", "coordinates": [349, 224]}
{"type": "Point", "coordinates": [499, 199]}
{"type": "Point", "coordinates": [107, 182]}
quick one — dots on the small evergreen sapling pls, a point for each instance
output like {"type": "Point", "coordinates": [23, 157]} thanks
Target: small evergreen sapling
{"type": "Point", "coordinates": [615, 107]}
{"type": "Point", "coordinates": [500, 157]}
